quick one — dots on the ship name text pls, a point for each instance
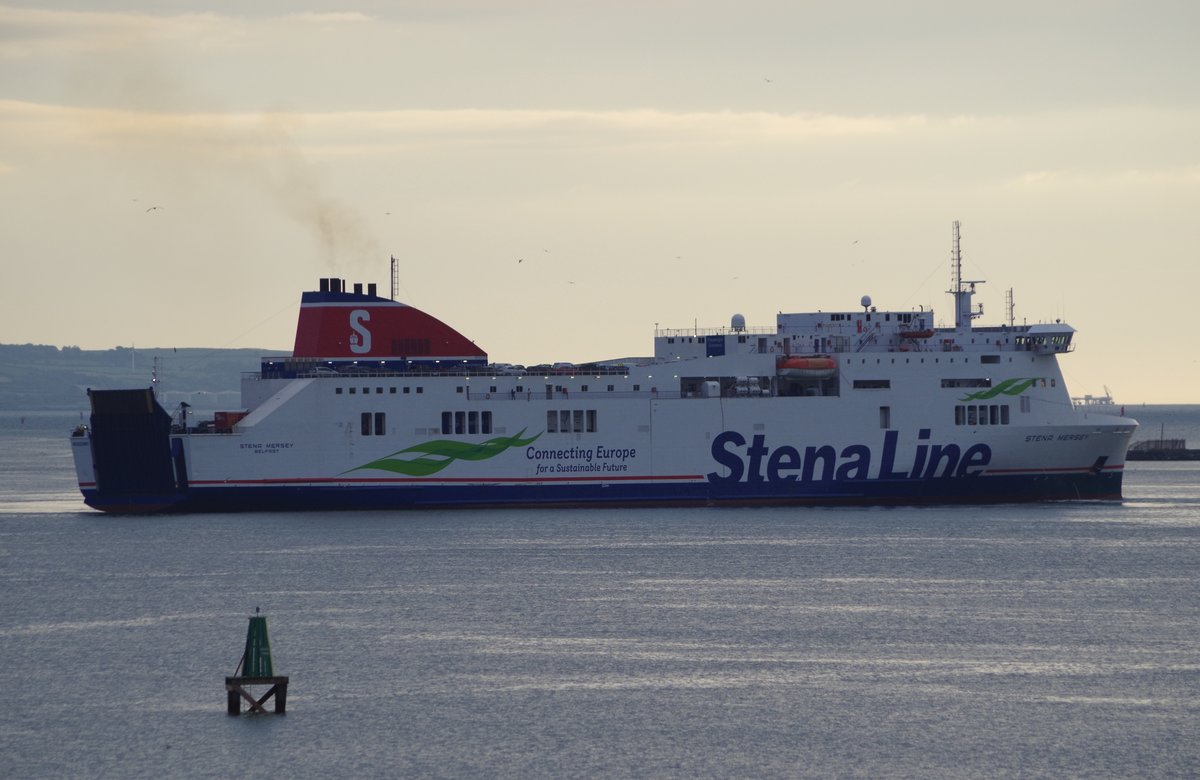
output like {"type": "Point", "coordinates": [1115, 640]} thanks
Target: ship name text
{"type": "Point", "coordinates": [760, 463]}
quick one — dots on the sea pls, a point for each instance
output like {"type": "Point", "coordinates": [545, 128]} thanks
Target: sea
{"type": "Point", "coordinates": [1053, 640]}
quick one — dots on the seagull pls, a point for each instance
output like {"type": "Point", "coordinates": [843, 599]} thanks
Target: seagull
{"type": "Point", "coordinates": [154, 208]}
{"type": "Point", "coordinates": [520, 259]}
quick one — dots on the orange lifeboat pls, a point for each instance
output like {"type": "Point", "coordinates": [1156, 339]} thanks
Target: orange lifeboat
{"type": "Point", "coordinates": [916, 334]}
{"type": "Point", "coordinates": [807, 367]}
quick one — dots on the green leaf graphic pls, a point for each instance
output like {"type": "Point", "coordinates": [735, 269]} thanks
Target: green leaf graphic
{"type": "Point", "coordinates": [438, 454]}
{"type": "Point", "coordinates": [1007, 387]}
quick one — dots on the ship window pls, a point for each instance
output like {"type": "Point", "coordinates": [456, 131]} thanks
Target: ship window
{"type": "Point", "coordinates": [885, 417]}
{"type": "Point", "coordinates": [520, 388]}
{"type": "Point", "coordinates": [379, 391]}
{"type": "Point", "coordinates": [564, 421]}
{"type": "Point", "coordinates": [420, 390]}
{"type": "Point", "coordinates": [989, 359]}
{"type": "Point", "coordinates": [983, 415]}
{"type": "Point", "coordinates": [637, 388]}
{"type": "Point", "coordinates": [492, 389]}
{"type": "Point", "coordinates": [551, 421]}
{"type": "Point", "coordinates": [1025, 403]}
{"type": "Point", "coordinates": [591, 420]}
{"type": "Point", "coordinates": [972, 415]}
{"type": "Point", "coordinates": [337, 391]}
{"type": "Point", "coordinates": [365, 424]}
{"type": "Point", "coordinates": [473, 422]}
{"type": "Point", "coordinates": [1004, 414]}
{"type": "Point", "coordinates": [353, 390]}
{"type": "Point", "coordinates": [610, 388]}
{"type": "Point", "coordinates": [380, 423]}
{"type": "Point", "coordinates": [872, 384]}
{"type": "Point", "coordinates": [406, 390]}
{"type": "Point", "coordinates": [960, 415]}
{"type": "Point", "coordinates": [583, 388]}
{"type": "Point", "coordinates": [577, 417]}
{"type": "Point", "coordinates": [485, 422]}
{"type": "Point", "coordinates": [392, 390]}
{"type": "Point", "coordinates": [966, 382]}
{"type": "Point", "coordinates": [366, 391]}
{"type": "Point", "coordinates": [458, 389]}
{"type": "Point", "coordinates": [446, 421]}
{"type": "Point", "coordinates": [460, 422]}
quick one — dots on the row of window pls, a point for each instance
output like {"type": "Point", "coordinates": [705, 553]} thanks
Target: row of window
{"type": "Point", "coordinates": [884, 384]}
{"type": "Point", "coordinates": [466, 422]}
{"type": "Point", "coordinates": [520, 390]}
{"type": "Point", "coordinates": [571, 421]}
{"type": "Point", "coordinates": [373, 423]}
{"type": "Point", "coordinates": [378, 390]}
{"type": "Point", "coordinates": [982, 359]}
{"type": "Point", "coordinates": [981, 414]}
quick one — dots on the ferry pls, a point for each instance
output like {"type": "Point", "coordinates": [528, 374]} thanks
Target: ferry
{"type": "Point", "coordinates": [383, 406]}
{"type": "Point", "coordinates": [1098, 404]}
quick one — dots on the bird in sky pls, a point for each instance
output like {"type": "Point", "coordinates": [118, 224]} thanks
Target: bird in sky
{"type": "Point", "coordinates": [154, 208]}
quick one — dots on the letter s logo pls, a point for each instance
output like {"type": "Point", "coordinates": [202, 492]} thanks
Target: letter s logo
{"type": "Point", "coordinates": [360, 344]}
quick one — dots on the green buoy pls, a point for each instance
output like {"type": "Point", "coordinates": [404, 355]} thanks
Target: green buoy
{"type": "Point", "coordinates": [256, 668]}
{"type": "Point", "coordinates": [256, 661]}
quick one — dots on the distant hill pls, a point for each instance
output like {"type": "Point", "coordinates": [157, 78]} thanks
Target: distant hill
{"type": "Point", "coordinates": [36, 377]}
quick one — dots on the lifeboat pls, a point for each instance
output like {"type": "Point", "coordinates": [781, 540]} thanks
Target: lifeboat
{"type": "Point", "coordinates": [916, 334]}
{"type": "Point", "coordinates": [807, 367]}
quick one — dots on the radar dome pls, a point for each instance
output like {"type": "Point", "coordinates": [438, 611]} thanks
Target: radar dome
{"type": "Point", "coordinates": [865, 302]}
{"type": "Point", "coordinates": [737, 322]}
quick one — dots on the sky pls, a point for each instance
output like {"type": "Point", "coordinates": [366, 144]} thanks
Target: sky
{"type": "Point", "coordinates": [559, 178]}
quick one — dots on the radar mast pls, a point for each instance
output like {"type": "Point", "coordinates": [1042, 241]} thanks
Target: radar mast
{"type": "Point", "coordinates": [961, 289]}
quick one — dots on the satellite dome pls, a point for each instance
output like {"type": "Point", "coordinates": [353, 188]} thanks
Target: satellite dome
{"type": "Point", "coordinates": [865, 302]}
{"type": "Point", "coordinates": [737, 322]}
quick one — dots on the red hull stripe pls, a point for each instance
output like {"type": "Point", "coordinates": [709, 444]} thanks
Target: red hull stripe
{"type": "Point", "coordinates": [443, 481]}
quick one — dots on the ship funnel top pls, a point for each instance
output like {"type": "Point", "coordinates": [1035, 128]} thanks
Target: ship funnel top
{"type": "Point", "coordinates": [338, 321]}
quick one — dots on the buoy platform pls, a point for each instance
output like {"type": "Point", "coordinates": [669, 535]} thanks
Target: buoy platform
{"type": "Point", "coordinates": [256, 668]}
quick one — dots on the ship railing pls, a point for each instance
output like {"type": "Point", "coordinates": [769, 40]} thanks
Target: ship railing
{"type": "Point", "coordinates": [361, 373]}
{"type": "Point", "coordinates": [759, 330]}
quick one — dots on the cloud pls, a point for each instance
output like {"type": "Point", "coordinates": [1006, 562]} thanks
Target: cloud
{"type": "Point", "coordinates": [378, 131]}
{"type": "Point", "coordinates": [331, 17]}
{"type": "Point", "coordinates": [35, 33]}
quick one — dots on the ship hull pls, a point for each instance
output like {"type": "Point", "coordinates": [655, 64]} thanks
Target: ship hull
{"type": "Point", "coordinates": [985, 490]}
{"type": "Point", "coordinates": [680, 452]}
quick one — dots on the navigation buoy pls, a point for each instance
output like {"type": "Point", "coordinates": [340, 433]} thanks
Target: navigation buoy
{"type": "Point", "coordinates": [256, 668]}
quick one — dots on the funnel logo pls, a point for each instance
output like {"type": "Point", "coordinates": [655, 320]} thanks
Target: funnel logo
{"type": "Point", "coordinates": [360, 340]}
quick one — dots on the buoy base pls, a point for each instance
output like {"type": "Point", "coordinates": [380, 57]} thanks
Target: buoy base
{"type": "Point", "coordinates": [235, 692]}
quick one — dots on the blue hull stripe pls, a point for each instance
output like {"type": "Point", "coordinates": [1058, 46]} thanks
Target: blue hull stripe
{"type": "Point", "coordinates": [1074, 485]}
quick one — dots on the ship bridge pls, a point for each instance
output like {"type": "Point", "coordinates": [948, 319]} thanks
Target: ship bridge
{"type": "Point", "coordinates": [831, 333]}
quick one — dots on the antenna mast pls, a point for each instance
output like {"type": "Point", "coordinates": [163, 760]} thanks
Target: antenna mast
{"type": "Point", "coordinates": [395, 277]}
{"type": "Point", "coordinates": [961, 289]}
{"type": "Point", "coordinates": [1011, 307]}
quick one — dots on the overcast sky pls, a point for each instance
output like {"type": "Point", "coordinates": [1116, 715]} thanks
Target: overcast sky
{"type": "Point", "coordinates": [177, 173]}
